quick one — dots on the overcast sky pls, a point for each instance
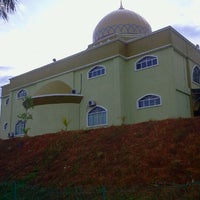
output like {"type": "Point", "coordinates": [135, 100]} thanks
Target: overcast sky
{"type": "Point", "coordinates": [42, 30]}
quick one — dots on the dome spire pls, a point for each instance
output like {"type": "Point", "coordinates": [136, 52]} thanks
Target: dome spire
{"type": "Point", "coordinates": [121, 5]}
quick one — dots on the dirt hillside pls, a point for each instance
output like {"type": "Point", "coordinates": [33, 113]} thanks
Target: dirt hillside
{"type": "Point", "coordinates": [161, 152]}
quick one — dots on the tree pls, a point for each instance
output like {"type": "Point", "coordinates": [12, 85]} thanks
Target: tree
{"type": "Point", "coordinates": [7, 7]}
{"type": "Point", "coordinates": [27, 104]}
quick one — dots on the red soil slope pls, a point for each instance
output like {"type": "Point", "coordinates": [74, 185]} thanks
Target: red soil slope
{"type": "Point", "coordinates": [119, 156]}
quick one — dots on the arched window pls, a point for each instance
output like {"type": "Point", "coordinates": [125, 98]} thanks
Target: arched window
{"type": "Point", "coordinates": [5, 126]}
{"type": "Point", "coordinates": [97, 116]}
{"type": "Point", "coordinates": [149, 100]}
{"type": "Point", "coordinates": [96, 71]}
{"type": "Point", "coordinates": [21, 94]}
{"type": "Point", "coordinates": [7, 101]}
{"type": "Point", "coordinates": [19, 128]}
{"type": "Point", "coordinates": [146, 62]}
{"type": "Point", "coordinates": [196, 74]}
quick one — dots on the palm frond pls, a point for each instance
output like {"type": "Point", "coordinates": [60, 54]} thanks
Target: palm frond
{"type": "Point", "coordinates": [10, 5]}
{"type": "Point", "coordinates": [7, 7]}
{"type": "Point", "coordinates": [4, 15]}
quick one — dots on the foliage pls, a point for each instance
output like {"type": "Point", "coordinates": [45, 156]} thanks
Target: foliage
{"type": "Point", "coordinates": [65, 122]}
{"type": "Point", "coordinates": [7, 7]}
{"type": "Point", "coordinates": [123, 119]}
{"type": "Point", "coordinates": [27, 104]}
{"type": "Point", "coordinates": [26, 116]}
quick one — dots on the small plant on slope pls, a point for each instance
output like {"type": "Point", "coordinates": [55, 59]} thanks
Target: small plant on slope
{"type": "Point", "coordinates": [65, 122]}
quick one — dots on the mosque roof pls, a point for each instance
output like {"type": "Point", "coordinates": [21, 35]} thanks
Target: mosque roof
{"type": "Point", "coordinates": [122, 22]}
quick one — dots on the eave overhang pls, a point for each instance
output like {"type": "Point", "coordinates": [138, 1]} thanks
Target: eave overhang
{"type": "Point", "coordinates": [56, 99]}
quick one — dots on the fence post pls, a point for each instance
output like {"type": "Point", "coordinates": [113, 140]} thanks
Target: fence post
{"type": "Point", "coordinates": [15, 190]}
{"type": "Point", "coordinates": [103, 193]}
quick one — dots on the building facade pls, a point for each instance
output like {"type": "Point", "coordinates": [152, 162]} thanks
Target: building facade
{"type": "Point", "coordinates": [129, 74]}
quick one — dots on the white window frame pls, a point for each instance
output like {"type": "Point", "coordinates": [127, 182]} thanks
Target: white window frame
{"type": "Point", "coordinates": [147, 67]}
{"type": "Point", "coordinates": [195, 66]}
{"type": "Point", "coordinates": [5, 126]}
{"type": "Point", "coordinates": [7, 100]}
{"type": "Point", "coordinates": [101, 66]}
{"type": "Point", "coordinates": [23, 123]}
{"type": "Point", "coordinates": [148, 106]}
{"type": "Point", "coordinates": [22, 96]}
{"type": "Point", "coordinates": [97, 125]}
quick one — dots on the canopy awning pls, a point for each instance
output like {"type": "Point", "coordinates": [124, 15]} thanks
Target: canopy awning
{"type": "Point", "coordinates": [56, 99]}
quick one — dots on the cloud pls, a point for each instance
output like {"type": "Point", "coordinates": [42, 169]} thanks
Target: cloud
{"type": "Point", "coordinates": [192, 32]}
{"type": "Point", "coordinates": [38, 32]}
{"type": "Point", "coordinates": [5, 68]}
{"type": "Point", "coordinates": [189, 30]}
{"type": "Point", "coordinates": [4, 80]}
{"type": "Point", "coordinates": [5, 74]}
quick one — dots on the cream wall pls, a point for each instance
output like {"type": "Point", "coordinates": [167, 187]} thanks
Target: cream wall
{"type": "Point", "coordinates": [117, 91]}
{"type": "Point", "coordinates": [14, 108]}
{"type": "Point", "coordinates": [104, 90]}
{"type": "Point", "coordinates": [6, 110]}
{"type": "Point", "coordinates": [48, 118]}
{"type": "Point", "coordinates": [164, 80]}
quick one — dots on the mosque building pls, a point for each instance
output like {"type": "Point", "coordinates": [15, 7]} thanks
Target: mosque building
{"type": "Point", "coordinates": [128, 75]}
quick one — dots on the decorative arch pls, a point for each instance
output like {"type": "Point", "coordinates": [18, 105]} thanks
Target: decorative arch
{"type": "Point", "coordinates": [149, 100]}
{"type": "Point", "coordinates": [7, 101]}
{"type": "Point", "coordinates": [97, 116]}
{"type": "Point", "coordinates": [146, 62]}
{"type": "Point", "coordinates": [56, 92]}
{"type": "Point", "coordinates": [55, 87]}
{"type": "Point", "coordinates": [196, 74]}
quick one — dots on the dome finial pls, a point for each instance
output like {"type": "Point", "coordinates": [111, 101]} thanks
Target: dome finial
{"type": "Point", "coordinates": [121, 5]}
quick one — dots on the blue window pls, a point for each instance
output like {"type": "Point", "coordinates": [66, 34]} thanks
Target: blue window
{"type": "Point", "coordinates": [146, 62]}
{"type": "Point", "coordinates": [196, 74]}
{"type": "Point", "coordinates": [97, 116]}
{"type": "Point", "coordinates": [19, 128]}
{"type": "Point", "coordinates": [149, 101]}
{"type": "Point", "coordinates": [22, 93]}
{"type": "Point", "coordinates": [96, 71]}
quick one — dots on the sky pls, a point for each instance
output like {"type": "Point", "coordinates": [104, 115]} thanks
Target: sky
{"type": "Point", "coordinates": [42, 30]}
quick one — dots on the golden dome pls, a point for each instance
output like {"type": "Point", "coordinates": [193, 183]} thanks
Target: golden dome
{"type": "Point", "coordinates": [122, 22]}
